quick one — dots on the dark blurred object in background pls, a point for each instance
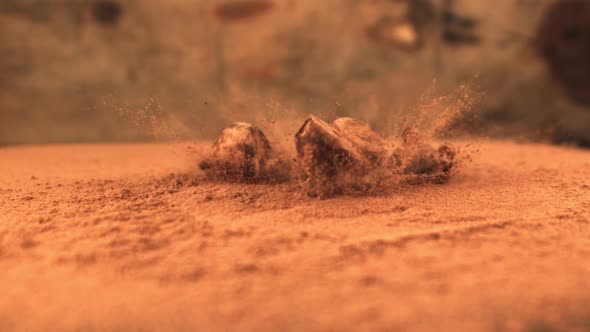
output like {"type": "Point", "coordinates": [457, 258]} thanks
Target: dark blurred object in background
{"type": "Point", "coordinates": [107, 11]}
{"type": "Point", "coordinates": [564, 41]}
{"type": "Point", "coordinates": [240, 10]}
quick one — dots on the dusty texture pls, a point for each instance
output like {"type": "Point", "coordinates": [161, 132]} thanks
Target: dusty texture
{"type": "Point", "coordinates": [120, 238]}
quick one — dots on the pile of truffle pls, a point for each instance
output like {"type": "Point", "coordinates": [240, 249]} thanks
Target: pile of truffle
{"type": "Point", "coordinates": [331, 157]}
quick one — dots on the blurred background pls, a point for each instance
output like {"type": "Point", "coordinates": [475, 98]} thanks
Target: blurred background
{"type": "Point", "coordinates": [103, 70]}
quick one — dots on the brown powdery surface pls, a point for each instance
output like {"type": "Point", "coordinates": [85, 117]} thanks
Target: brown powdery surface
{"type": "Point", "coordinates": [131, 238]}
